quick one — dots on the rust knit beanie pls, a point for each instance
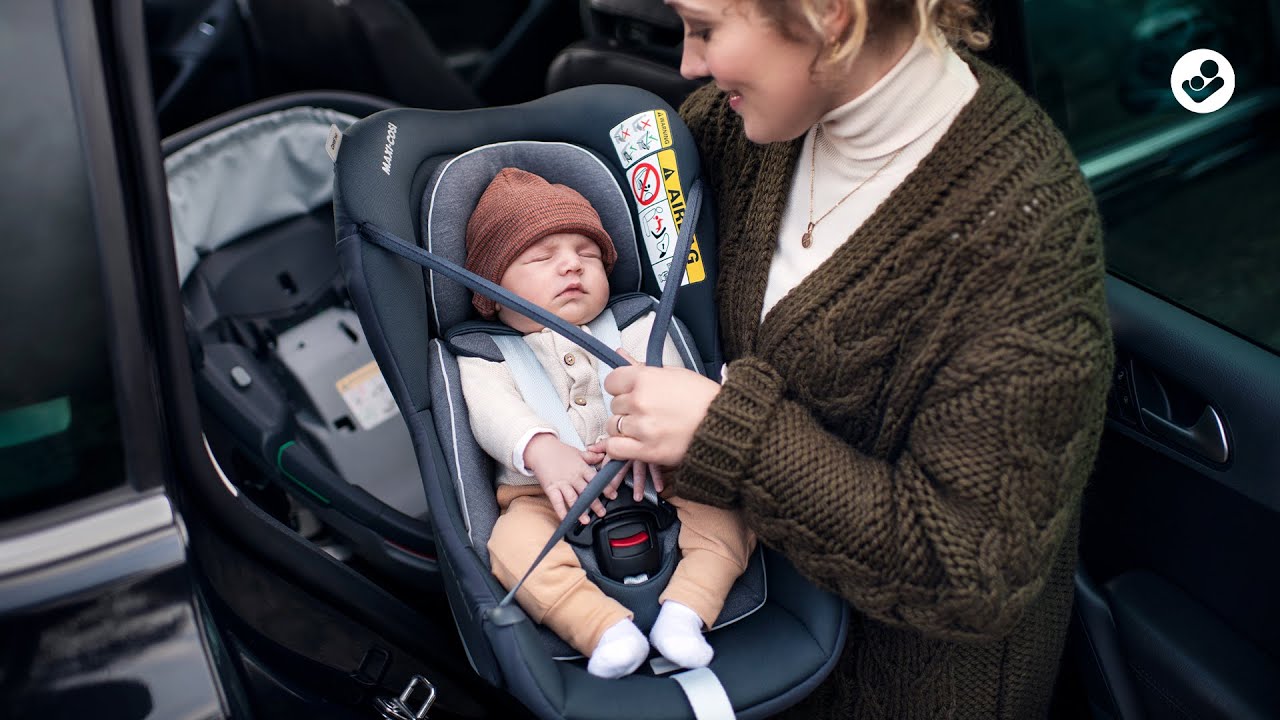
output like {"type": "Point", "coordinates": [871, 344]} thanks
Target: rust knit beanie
{"type": "Point", "coordinates": [518, 209]}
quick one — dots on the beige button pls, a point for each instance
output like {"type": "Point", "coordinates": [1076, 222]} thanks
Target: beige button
{"type": "Point", "coordinates": [569, 359]}
{"type": "Point", "coordinates": [579, 401]}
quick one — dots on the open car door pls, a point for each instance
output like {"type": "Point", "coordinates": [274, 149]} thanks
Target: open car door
{"type": "Point", "coordinates": [1176, 598]}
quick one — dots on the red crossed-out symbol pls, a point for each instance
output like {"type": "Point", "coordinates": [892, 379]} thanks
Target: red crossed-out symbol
{"type": "Point", "coordinates": [643, 124]}
{"type": "Point", "coordinates": [645, 183]}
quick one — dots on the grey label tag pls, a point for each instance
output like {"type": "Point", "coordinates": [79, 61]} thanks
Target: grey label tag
{"type": "Point", "coordinates": [333, 143]}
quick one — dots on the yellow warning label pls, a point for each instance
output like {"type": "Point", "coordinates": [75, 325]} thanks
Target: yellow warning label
{"type": "Point", "coordinates": [664, 129]}
{"type": "Point", "coordinates": [694, 270]}
{"type": "Point", "coordinates": [675, 196]}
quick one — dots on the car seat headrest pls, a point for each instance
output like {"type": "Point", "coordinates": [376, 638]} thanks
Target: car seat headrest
{"type": "Point", "coordinates": [653, 12]}
{"type": "Point", "coordinates": [457, 185]}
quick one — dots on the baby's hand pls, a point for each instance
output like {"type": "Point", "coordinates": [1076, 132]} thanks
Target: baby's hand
{"type": "Point", "coordinates": [562, 471]}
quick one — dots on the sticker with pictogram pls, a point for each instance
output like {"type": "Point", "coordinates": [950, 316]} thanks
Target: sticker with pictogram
{"type": "Point", "coordinates": [646, 183]}
{"type": "Point", "coordinates": [695, 272]}
{"type": "Point", "coordinates": [640, 135]}
{"type": "Point", "coordinates": [659, 232]}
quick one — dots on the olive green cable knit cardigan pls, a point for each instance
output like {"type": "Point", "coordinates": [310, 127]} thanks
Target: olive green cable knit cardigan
{"type": "Point", "coordinates": [914, 423]}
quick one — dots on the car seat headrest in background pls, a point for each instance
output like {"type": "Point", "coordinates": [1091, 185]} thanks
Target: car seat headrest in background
{"type": "Point", "coordinates": [457, 185]}
{"type": "Point", "coordinates": [247, 176]}
{"type": "Point", "coordinates": [652, 12]}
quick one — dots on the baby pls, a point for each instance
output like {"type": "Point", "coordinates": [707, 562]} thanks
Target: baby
{"type": "Point", "coordinates": [546, 244]}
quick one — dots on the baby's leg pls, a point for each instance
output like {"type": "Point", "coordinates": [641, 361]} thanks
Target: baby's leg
{"type": "Point", "coordinates": [715, 546]}
{"type": "Point", "coordinates": [558, 594]}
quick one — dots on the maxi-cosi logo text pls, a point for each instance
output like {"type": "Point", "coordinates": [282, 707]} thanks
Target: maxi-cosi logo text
{"type": "Point", "coordinates": [389, 149]}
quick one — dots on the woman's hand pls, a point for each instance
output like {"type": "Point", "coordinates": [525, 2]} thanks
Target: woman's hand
{"type": "Point", "coordinates": [656, 412]}
{"type": "Point", "coordinates": [642, 472]}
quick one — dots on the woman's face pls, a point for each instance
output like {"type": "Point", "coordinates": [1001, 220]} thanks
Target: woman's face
{"type": "Point", "coordinates": [769, 78]}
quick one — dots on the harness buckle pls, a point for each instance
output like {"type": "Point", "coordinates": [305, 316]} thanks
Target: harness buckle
{"type": "Point", "coordinates": [626, 540]}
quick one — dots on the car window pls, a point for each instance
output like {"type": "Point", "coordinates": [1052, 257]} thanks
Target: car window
{"type": "Point", "coordinates": [1188, 198]}
{"type": "Point", "coordinates": [59, 432]}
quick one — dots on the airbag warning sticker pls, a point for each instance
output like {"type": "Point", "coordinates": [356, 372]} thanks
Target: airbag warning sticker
{"type": "Point", "coordinates": [641, 135]}
{"type": "Point", "coordinates": [642, 142]}
{"type": "Point", "coordinates": [367, 396]}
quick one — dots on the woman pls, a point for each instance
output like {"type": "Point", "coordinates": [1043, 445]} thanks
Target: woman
{"type": "Point", "coordinates": [911, 298]}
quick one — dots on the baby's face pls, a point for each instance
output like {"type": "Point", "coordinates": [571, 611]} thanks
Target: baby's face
{"type": "Point", "coordinates": [563, 273]}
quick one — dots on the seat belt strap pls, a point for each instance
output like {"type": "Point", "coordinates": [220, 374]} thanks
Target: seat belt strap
{"type": "Point", "coordinates": [705, 694]}
{"type": "Point", "coordinates": [675, 276]}
{"type": "Point", "coordinates": [605, 329]}
{"type": "Point", "coordinates": [536, 387]}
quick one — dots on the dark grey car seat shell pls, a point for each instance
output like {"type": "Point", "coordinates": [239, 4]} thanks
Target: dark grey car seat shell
{"type": "Point", "coordinates": [384, 172]}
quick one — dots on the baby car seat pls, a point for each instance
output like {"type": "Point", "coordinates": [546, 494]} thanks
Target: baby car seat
{"type": "Point", "coordinates": [405, 184]}
{"type": "Point", "coordinates": [281, 361]}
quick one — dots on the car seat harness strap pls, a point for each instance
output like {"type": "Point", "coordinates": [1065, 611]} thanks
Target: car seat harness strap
{"type": "Point", "coordinates": [705, 693]}
{"type": "Point", "coordinates": [535, 385]}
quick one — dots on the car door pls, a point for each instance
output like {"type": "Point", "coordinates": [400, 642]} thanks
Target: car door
{"type": "Point", "coordinates": [1176, 589]}
{"type": "Point", "coordinates": [98, 610]}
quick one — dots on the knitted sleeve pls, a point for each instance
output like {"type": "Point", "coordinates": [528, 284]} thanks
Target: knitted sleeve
{"type": "Point", "coordinates": [956, 535]}
{"type": "Point", "coordinates": [706, 112]}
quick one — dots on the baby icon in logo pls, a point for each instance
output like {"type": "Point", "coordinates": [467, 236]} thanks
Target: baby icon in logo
{"type": "Point", "coordinates": [1202, 81]}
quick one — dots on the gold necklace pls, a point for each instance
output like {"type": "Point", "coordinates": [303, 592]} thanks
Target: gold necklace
{"type": "Point", "coordinates": [807, 239]}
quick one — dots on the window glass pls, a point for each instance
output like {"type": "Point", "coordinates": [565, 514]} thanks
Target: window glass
{"type": "Point", "coordinates": [1188, 199]}
{"type": "Point", "coordinates": [59, 431]}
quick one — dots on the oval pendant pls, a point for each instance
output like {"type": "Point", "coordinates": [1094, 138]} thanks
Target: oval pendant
{"type": "Point", "coordinates": [806, 240]}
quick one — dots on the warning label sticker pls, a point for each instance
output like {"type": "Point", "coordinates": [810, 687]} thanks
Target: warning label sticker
{"type": "Point", "coordinates": [694, 272]}
{"type": "Point", "coordinates": [640, 136]}
{"type": "Point", "coordinates": [642, 142]}
{"type": "Point", "coordinates": [367, 396]}
{"type": "Point", "coordinates": [646, 183]}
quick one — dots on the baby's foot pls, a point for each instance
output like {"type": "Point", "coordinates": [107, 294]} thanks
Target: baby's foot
{"type": "Point", "coordinates": [620, 651]}
{"type": "Point", "coordinates": [677, 634]}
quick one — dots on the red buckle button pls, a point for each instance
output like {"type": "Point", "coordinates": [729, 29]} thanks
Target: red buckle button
{"type": "Point", "coordinates": [631, 541]}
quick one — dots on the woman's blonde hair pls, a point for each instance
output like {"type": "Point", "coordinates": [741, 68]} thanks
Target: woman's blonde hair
{"type": "Point", "coordinates": [958, 20]}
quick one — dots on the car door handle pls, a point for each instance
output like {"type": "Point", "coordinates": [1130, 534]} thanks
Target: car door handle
{"type": "Point", "coordinates": [1207, 437]}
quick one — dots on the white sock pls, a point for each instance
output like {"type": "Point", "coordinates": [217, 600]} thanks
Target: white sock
{"type": "Point", "coordinates": [622, 648]}
{"type": "Point", "coordinates": [677, 634]}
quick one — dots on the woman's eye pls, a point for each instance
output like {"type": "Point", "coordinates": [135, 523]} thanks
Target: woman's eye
{"type": "Point", "coordinates": [702, 34]}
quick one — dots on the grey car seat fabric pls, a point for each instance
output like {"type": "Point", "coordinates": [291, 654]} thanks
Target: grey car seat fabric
{"type": "Point", "coordinates": [387, 171]}
{"type": "Point", "coordinates": [281, 360]}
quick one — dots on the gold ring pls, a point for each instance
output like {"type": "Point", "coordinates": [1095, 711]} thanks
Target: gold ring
{"type": "Point", "coordinates": [618, 425]}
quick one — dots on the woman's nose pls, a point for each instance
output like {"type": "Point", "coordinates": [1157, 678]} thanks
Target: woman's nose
{"type": "Point", "coordinates": [692, 64]}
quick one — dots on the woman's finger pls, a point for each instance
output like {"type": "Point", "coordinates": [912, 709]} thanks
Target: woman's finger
{"type": "Point", "coordinates": [655, 474]}
{"type": "Point", "coordinates": [627, 356]}
{"type": "Point", "coordinates": [623, 404]}
{"type": "Point", "coordinates": [625, 448]}
{"type": "Point", "coordinates": [611, 490]}
{"type": "Point", "coordinates": [639, 474]}
{"type": "Point", "coordinates": [621, 380]}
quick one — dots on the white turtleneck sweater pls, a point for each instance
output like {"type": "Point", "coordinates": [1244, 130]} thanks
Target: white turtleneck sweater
{"type": "Point", "coordinates": [910, 108]}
